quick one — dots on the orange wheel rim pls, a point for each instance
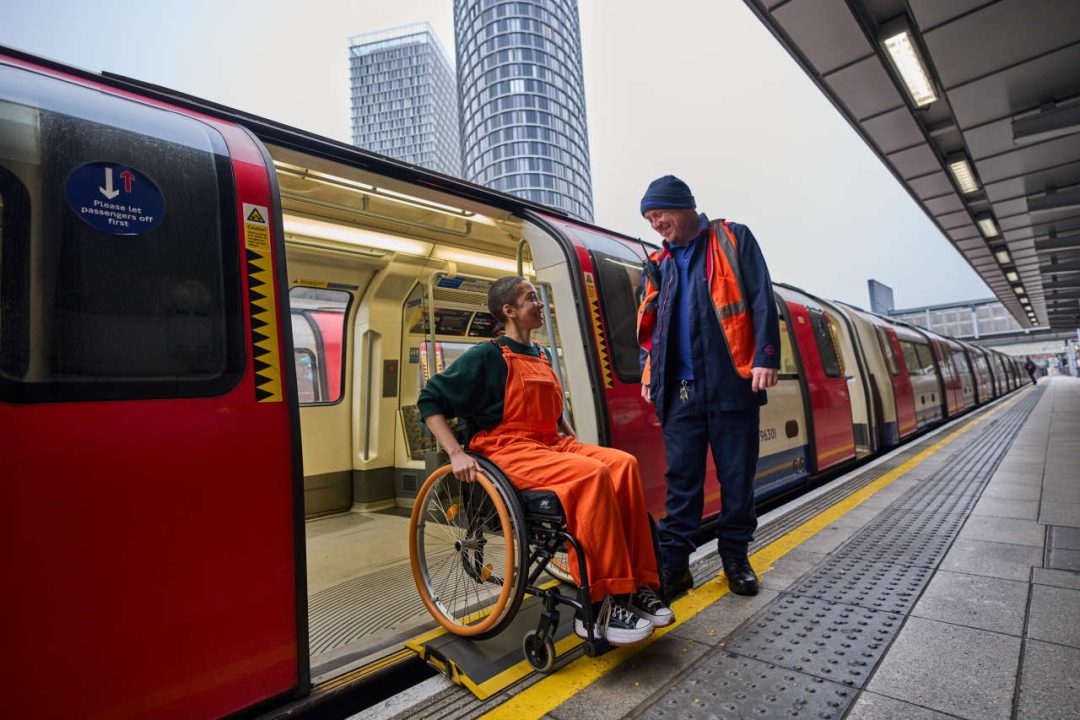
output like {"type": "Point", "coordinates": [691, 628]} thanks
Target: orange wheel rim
{"type": "Point", "coordinates": [488, 616]}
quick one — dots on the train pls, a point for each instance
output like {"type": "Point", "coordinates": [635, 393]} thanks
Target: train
{"type": "Point", "coordinates": [213, 331]}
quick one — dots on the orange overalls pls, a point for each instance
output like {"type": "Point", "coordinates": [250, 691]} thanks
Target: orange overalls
{"type": "Point", "coordinates": [599, 488]}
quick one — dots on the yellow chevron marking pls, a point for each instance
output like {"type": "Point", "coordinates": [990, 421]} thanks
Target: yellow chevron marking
{"type": "Point", "coordinates": [262, 304]}
{"type": "Point", "coordinates": [598, 330]}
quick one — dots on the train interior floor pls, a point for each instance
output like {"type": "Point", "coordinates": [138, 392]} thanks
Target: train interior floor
{"type": "Point", "coordinates": [362, 600]}
{"type": "Point", "coordinates": [944, 585]}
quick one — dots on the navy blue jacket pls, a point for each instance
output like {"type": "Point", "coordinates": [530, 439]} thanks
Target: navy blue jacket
{"type": "Point", "coordinates": [715, 378]}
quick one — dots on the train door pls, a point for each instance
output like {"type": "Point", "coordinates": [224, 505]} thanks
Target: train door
{"type": "Point", "coordinates": [610, 268]}
{"type": "Point", "coordinates": [879, 370]}
{"type": "Point", "coordinates": [903, 393]}
{"type": "Point", "coordinates": [825, 379]}
{"type": "Point", "coordinates": [854, 365]}
{"type": "Point", "coordinates": [389, 286]}
{"type": "Point", "coordinates": [983, 383]}
{"type": "Point", "coordinates": [965, 371]}
{"type": "Point", "coordinates": [1000, 386]}
{"type": "Point", "coordinates": [150, 495]}
{"type": "Point", "coordinates": [925, 383]}
{"type": "Point", "coordinates": [948, 377]}
{"type": "Point", "coordinates": [322, 302]}
{"type": "Point", "coordinates": [785, 431]}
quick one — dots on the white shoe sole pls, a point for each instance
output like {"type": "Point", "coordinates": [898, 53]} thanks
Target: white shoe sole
{"type": "Point", "coordinates": [617, 636]}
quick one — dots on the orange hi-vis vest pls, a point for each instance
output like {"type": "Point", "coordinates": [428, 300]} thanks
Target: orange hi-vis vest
{"type": "Point", "coordinates": [726, 290]}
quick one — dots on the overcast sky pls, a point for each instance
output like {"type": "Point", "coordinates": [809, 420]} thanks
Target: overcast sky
{"type": "Point", "coordinates": [697, 88]}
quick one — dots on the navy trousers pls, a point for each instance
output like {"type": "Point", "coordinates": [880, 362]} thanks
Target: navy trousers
{"type": "Point", "coordinates": [689, 431]}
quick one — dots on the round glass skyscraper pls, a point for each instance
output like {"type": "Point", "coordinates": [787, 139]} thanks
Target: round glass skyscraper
{"type": "Point", "coordinates": [523, 100]}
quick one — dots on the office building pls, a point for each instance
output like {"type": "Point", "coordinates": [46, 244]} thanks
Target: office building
{"type": "Point", "coordinates": [523, 100]}
{"type": "Point", "coordinates": [404, 97]}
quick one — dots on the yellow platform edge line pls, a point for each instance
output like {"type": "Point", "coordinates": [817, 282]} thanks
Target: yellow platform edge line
{"type": "Point", "coordinates": [555, 689]}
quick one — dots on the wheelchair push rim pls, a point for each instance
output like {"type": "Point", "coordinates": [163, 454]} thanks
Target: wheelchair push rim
{"type": "Point", "coordinates": [465, 551]}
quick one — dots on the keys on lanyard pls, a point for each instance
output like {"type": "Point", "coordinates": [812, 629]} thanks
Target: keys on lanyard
{"type": "Point", "coordinates": [684, 390]}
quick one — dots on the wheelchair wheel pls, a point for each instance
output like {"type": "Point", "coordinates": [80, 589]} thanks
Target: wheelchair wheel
{"type": "Point", "coordinates": [539, 651]}
{"type": "Point", "coordinates": [467, 547]}
{"type": "Point", "coordinates": [559, 568]}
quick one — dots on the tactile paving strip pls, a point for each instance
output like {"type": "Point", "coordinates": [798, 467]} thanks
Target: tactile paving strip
{"type": "Point", "coordinates": [833, 641]}
{"type": "Point", "coordinates": [874, 585]}
{"type": "Point", "coordinates": [905, 538]}
{"type": "Point", "coordinates": [729, 687]}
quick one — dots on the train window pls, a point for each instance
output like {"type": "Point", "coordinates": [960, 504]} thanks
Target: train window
{"type": "Point", "coordinates": [926, 359]}
{"type": "Point", "coordinates": [307, 378]}
{"type": "Point", "coordinates": [961, 363]}
{"type": "Point", "coordinates": [619, 279]}
{"type": "Point", "coordinates": [911, 358]}
{"type": "Point", "coordinates": [83, 283]}
{"type": "Point", "coordinates": [318, 325]}
{"type": "Point", "coordinates": [788, 368]}
{"type": "Point", "coordinates": [887, 351]}
{"type": "Point", "coordinates": [834, 334]}
{"type": "Point", "coordinates": [823, 334]}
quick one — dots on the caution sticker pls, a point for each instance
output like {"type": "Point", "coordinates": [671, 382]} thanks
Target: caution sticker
{"type": "Point", "coordinates": [262, 304]}
{"type": "Point", "coordinates": [598, 330]}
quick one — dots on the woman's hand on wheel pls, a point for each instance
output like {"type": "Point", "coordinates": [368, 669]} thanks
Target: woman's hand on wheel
{"type": "Point", "coordinates": [464, 465]}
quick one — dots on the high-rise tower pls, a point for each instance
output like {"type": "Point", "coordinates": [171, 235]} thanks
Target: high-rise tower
{"type": "Point", "coordinates": [404, 97]}
{"type": "Point", "coordinates": [523, 100]}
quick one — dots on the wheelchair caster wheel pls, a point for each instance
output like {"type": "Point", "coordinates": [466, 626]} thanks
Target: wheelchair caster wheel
{"type": "Point", "coordinates": [539, 651]}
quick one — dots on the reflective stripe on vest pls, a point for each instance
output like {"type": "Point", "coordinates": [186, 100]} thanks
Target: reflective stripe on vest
{"type": "Point", "coordinates": [729, 296]}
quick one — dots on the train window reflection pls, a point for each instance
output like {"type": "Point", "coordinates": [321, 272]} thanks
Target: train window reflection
{"type": "Point", "coordinates": [318, 325]}
{"type": "Point", "coordinates": [307, 380]}
{"type": "Point", "coordinates": [619, 279]}
{"type": "Point", "coordinates": [911, 358]}
{"type": "Point", "coordinates": [824, 335]}
{"type": "Point", "coordinates": [170, 289]}
{"type": "Point", "coordinates": [887, 351]}
{"type": "Point", "coordinates": [926, 359]}
{"type": "Point", "coordinates": [788, 368]}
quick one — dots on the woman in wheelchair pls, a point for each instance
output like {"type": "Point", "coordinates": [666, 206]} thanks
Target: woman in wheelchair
{"type": "Point", "coordinates": [506, 388]}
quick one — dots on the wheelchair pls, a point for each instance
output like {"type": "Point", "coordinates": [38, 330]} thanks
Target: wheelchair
{"type": "Point", "coordinates": [477, 547]}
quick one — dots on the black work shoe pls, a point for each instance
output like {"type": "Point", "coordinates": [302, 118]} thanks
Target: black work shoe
{"type": "Point", "coordinates": [676, 584]}
{"type": "Point", "coordinates": [740, 576]}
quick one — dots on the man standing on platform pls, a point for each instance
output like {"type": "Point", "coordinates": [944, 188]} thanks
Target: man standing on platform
{"type": "Point", "coordinates": [1030, 366]}
{"type": "Point", "coordinates": [710, 337]}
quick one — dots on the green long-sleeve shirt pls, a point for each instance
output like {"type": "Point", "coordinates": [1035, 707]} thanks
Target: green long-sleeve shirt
{"type": "Point", "coordinates": [474, 386]}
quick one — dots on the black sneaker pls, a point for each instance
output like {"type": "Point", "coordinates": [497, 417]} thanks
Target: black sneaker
{"type": "Point", "coordinates": [645, 604]}
{"type": "Point", "coordinates": [616, 624]}
{"type": "Point", "coordinates": [740, 576]}
{"type": "Point", "coordinates": [676, 584]}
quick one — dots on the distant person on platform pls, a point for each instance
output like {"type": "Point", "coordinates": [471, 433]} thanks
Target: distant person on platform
{"type": "Point", "coordinates": [710, 337]}
{"type": "Point", "coordinates": [1031, 368]}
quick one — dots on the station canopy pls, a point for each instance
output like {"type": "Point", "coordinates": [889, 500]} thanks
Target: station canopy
{"type": "Point", "coordinates": [974, 105]}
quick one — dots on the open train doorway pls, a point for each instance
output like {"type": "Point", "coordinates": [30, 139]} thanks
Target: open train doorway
{"type": "Point", "coordinates": [387, 286]}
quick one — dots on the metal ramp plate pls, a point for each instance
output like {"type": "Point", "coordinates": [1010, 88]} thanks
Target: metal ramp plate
{"type": "Point", "coordinates": [487, 667]}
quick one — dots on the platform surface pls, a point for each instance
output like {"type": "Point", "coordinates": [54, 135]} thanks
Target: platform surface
{"type": "Point", "coordinates": [944, 585]}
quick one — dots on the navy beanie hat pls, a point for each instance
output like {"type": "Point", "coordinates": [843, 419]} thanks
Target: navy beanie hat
{"type": "Point", "coordinates": [667, 192]}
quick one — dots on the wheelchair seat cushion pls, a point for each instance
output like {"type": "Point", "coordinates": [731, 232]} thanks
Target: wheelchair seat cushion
{"type": "Point", "coordinates": [541, 502]}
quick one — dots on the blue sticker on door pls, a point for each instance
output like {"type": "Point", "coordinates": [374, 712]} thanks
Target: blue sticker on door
{"type": "Point", "coordinates": [115, 198]}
